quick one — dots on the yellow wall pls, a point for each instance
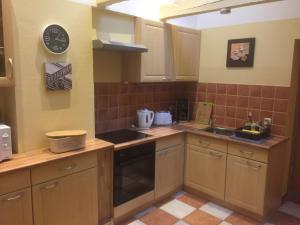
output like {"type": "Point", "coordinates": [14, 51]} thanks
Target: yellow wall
{"type": "Point", "coordinates": [273, 53]}
{"type": "Point", "coordinates": [39, 110]}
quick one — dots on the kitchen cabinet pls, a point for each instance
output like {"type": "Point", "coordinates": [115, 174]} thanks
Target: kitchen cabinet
{"type": "Point", "coordinates": [71, 198]}
{"type": "Point", "coordinates": [16, 208]}
{"type": "Point", "coordinates": [246, 183]}
{"type": "Point", "coordinates": [6, 48]}
{"type": "Point", "coordinates": [186, 50]}
{"type": "Point", "coordinates": [169, 165]}
{"type": "Point", "coordinates": [15, 198]}
{"type": "Point", "coordinates": [205, 170]}
{"type": "Point", "coordinates": [156, 64]}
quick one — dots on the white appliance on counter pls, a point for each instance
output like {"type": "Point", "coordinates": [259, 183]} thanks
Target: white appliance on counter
{"type": "Point", "coordinates": [145, 118]}
{"type": "Point", "coordinates": [163, 118]}
{"type": "Point", "coordinates": [5, 142]}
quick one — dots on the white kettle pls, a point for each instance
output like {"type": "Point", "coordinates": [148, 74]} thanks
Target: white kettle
{"type": "Point", "coordinates": [145, 118]}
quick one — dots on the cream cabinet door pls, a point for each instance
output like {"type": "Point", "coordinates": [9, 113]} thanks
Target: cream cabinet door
{"type": "Point", "coordinates": [169, 170]}
{"type": "Point", "coordinates": [16, 208]}
{"type": "Point", "coordinates": [155, 64]}
{"type": "Point", "coordinates": [71, 200]}
{"type": "Point", "coordinates": [6, 46]}
{"type": "Point", "coordinates": [205, 170]}
{"type": "Point", "coordinates": [186, 50]}
{"type": "Point", "coordinates": [245, 185]}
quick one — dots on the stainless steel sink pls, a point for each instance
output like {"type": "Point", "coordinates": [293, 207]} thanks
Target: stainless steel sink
{"type": "Point", "coordinates": [220, 131]}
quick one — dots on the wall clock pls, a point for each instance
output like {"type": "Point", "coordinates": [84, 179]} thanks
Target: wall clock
{"type": "Point", "coordinates": [56, 39]}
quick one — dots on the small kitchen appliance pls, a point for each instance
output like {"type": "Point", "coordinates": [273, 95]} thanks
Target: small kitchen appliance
{"type": "Point", "coordinates": [182, 110]}
{"type": "Point", "coordinates": [163, 118]}
{"type": "Point", "coordinates": [145, 118]}
{"type": "Point", "coordinates": [5, 142]}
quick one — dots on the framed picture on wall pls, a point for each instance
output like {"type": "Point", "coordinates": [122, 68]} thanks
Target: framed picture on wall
{"type": "Point", "coordinates": [240, 52]}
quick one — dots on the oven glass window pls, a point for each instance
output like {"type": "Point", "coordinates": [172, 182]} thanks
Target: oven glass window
{"type": "Point", "coordinates": [134, 172]}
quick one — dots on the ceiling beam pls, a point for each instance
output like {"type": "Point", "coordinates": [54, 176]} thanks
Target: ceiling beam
{"type": "Point", "coordinates": [103, 3]}
{"type": "Point", "coordinates": [193, 7]}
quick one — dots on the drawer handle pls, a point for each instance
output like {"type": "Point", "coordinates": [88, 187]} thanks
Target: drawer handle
{"type": "Point", "coordinates": [216, 155]}
{"type": "Point", "coordinates": [253, 165]}
{"type": "Point", "coordinates": [16, 197]}
{"type": "Point", "coordinates": [204, 143]}
{"type": "Point", "coordinates": [247, 152]}
{"type": "Point", "coordinates": [69, 168]}
{"type": "Point", "coordinates": [50, 186]}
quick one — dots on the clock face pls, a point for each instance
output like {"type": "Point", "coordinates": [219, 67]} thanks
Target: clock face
{"type": "Point", "coordinates": [56, 39]}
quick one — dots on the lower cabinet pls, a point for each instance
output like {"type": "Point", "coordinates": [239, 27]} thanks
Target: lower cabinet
{"type": "Point", "coordinates": [169, 170]}
{"type": "Point", "coordinates": [246, 183]}
{"type": "Point", "coordinates": [16, 208]}
{"type": "Point", "coordinates": [69, 200]}
{"type": "Point", "coordinates": [205, 170]}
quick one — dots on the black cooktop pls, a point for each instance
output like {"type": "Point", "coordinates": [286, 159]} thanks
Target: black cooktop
{"type": "Point", "coordinates": [121, 136]}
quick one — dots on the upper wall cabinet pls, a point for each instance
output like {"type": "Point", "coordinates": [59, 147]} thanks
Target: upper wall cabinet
{"type": "Point", "coordinates": [154, 65]}
{"type": "Point", "coordinates": [6, 61]}
{"type": "Point", "coordinates": [186, 50]}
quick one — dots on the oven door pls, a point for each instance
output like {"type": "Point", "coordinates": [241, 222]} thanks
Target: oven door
{"type": "Point", "coordinates": [134, 172]}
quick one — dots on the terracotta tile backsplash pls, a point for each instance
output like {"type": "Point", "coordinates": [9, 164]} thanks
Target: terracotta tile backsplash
{"type": "Point", "coordinates": [116, 103]}
{"type": "Point", "coordinates": [233, 102]}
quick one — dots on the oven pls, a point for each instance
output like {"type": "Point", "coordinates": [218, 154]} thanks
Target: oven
{"type": "Point", "coordinates": [134, 172]}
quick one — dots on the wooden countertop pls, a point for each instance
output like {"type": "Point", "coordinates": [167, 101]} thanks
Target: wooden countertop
{"type": "Point", "coordinates": [33, 158]}
{"type": "Point", "coordinates": [193, 128]}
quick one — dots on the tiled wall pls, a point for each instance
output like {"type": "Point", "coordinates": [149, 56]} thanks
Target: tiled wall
{"type": "Point", "coordinates": [233, 103]}
{"type": "Point", "coordinates": [116, 103]}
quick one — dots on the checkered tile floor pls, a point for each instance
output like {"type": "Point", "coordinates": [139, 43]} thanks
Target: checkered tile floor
{"type": "Point", "coordinates": [186, 209]}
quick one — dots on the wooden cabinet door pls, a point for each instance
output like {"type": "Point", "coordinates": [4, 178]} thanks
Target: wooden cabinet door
{"type": "Point", "coordinates": [155, 63]}
{"type": "Point", "coordinates": [16, 208]}
{"type": "Point", "coordinates": [169, 170]}
{"type": "Point", "coordinates": [205, 170]}
{"type": "Point", "coordinates": [6, 50]}
{"type": "Point", "coordinates": [245, 185]}
{"type": "Point", "coordinates": [71, 200]}
{"type": "Point", "coordinates": [186, 50]}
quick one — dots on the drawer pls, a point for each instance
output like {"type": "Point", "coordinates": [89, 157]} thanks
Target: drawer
{"type": "Point", "coordinates": [13, 181]}
{"type": "Point", "coordinates": [56, 169]}
{"type": "Point", "coordinates": [168, 142]}
{"type": "Point", "coordinates": [206, 142]}
{"type": "Point", "coordinates": [248, 152]}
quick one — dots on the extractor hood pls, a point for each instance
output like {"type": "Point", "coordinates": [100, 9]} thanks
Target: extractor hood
{"type": "Point", "coordinates": [118, 46]}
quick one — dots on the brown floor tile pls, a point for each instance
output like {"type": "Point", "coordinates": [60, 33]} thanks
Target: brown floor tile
{"type": "Point", "coordinates": [237, 219]}
{"type": "Point", "coordinates": [158, 217]}
{"type": "Point", "coordinates": [201, 218]}
{"type": "Point", "coordinates": [284, 219]}
{"type": "Point", "coordinates": [192, 200]}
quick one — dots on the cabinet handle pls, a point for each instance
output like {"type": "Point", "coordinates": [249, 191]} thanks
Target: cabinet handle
{"type": "Point", "coordinates": [10, 61]}
{"type": "Point", "coordinates": [16, 197]}
{"type": "Point", "coordinates": [246, 152]}
{"type": "Point", "coordinates": [50, 186]}
{"type": "Point", "coordinates": [69, 168]}
{"type": "Point", "coordinates": [216, 155]}
{"type": "Point", "coordinates": [204, 143]}
{"type": "Point", "coordinates": [253, 165]}
{"type": "Point", "coordinates": [164, 78]}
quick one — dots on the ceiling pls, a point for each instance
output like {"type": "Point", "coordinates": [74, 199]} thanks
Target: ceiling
{"type": "Point", "coordinates": [150, 9]}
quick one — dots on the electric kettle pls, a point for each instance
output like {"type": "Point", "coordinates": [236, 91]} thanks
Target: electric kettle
{"type": "Point", "coordinates": [145, 118]}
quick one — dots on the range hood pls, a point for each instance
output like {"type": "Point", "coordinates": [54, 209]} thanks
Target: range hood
{"type": "Point", "coordinates": [118, 46]}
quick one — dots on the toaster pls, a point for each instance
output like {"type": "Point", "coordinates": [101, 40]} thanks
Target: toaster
{"type": "Point", "coordinates": [5, 142]}
{"type": "Point", "coordinates": [162, 118]}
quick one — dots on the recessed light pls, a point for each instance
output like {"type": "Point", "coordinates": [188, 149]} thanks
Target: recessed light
{"type": "Point", "coordinates": [225, 11]}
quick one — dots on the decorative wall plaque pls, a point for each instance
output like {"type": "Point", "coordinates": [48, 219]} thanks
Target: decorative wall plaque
{"type": "Point", "coordinates": [58, 76]}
